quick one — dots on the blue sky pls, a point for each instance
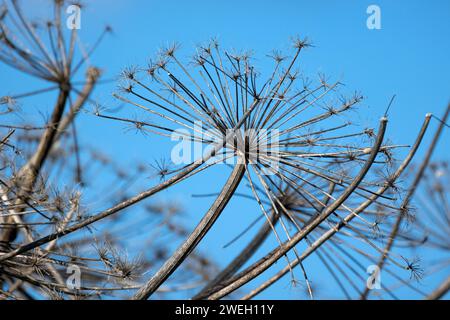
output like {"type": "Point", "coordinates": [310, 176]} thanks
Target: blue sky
{"type": "Point", "coordinates": [408, 57]}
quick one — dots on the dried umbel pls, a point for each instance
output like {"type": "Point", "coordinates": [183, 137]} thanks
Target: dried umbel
{"type": "Point", "coordinates": [319, 160]}
{"type": "Point", "coordinates": [427, 235]}
{"type": "Point", "coordinates": [46, 50]}
{"type": "Point", "coordinates": [240, 112]}
{"type": "Point", "coordinates": [49, 182]}
{"type": "Point", "coordinates": [47, 53]}
{"type": "Point", "coordinates": [220, 90]}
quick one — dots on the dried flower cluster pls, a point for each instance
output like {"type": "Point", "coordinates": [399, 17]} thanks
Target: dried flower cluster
{"type": "Point", "coordinates": [49, 182]}
{"type": "Point", "coordinates": [326, 188]}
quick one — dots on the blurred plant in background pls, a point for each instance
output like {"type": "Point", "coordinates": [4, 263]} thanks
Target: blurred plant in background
{"type": "Point", "coordinates": [49, 181]}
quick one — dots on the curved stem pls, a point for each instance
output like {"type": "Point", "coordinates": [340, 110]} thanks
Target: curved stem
{"type": "Point", "coordinates": [440, 291]}
{"type": "Point", "coordinates": [332, 231]}
{"type": "Point", "coordinates": [266, 262]}
{"type": "Point", "coordinates": [195, 237]}
{"type": "Point", "coordinates": [30, 171]}
{"type": "Point", "coordinates": [407, 199]}
{"type": "Point", "coordinates": [102, 215]}
{"type": "Point", "coordinates": [241, 259]}
{"type": "Point", "coordinates": [186, 172]}
{"type": "Point", "coordinates": [93, 74]}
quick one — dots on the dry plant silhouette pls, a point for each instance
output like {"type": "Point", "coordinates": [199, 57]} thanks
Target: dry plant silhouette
{"type": "Point", "coordinates": [326, 188]}
{"type": "Point", "coordinates": [44, 169]}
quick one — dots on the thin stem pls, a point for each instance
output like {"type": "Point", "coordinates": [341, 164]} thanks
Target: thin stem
{"type": "Point", "coordinates": [410, 194]}
{"type": "Point", "coordinates": [195, 237]}
{"type": "Point", "coordinates": [263, 264]}
{"type": "Point", "coordinates": [335, 229]}
{"type": "Point", "coordinates": [241, 259]}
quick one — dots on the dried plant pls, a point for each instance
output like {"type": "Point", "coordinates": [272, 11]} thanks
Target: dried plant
{"type": "Point", "coordinates": [326, 187]}
{"type": "Point", "coordinates": [49, 182]}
